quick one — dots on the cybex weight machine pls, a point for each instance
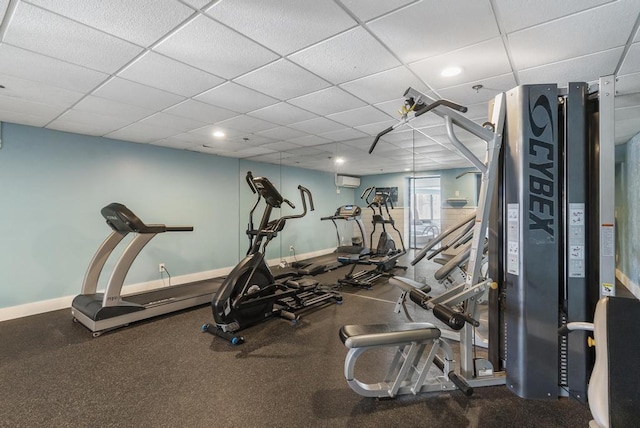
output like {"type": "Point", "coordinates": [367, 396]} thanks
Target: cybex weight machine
{"type": "Point", "coordinates": [546, 207]}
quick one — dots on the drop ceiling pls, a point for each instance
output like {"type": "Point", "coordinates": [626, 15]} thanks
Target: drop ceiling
{"type": "Point", "coordinates": [300, 82]}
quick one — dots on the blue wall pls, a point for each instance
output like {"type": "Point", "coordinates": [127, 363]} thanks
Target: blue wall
{"type": "Point", "coordinates": [55, 183]}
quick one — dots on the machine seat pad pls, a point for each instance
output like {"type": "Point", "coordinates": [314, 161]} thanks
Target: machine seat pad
{"type": "Point", "coordinates": [302, 282]}
{"type": "Point", "coordinates": [358, 336]}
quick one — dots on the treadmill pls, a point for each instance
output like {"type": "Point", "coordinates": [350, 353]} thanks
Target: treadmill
{"type": "Point", "coordinates": [346, 254]}
{"type": "Point", "coordinates": [101, 312]}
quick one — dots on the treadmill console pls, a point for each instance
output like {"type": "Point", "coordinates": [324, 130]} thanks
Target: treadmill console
{"type": "Point", "coordinates": [348, 211]}
{"type": "Point", "coordinates": [121, 218]}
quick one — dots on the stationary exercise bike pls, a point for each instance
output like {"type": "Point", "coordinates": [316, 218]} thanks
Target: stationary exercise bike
{"type": "Point", "coordinates": [250, 294]}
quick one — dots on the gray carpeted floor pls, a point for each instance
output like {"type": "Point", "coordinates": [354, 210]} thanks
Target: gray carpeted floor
{"type": "Point", "coordinates": [165, 372]}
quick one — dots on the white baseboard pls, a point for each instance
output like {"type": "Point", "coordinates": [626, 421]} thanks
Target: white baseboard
{"type": "Point", "coordinates": [631, 286]}
{"type": "Point", "coordinates": [58, 303]}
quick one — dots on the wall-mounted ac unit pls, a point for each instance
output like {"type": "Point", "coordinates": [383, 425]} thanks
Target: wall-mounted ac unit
{"type": "Point", "coordinates": [347, 181]}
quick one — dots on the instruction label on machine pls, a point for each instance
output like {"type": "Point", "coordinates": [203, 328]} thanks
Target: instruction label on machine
{"type": "Point", "coordinates": [576, 240]}
{"type": "Point", "coordinates": [513, 239]}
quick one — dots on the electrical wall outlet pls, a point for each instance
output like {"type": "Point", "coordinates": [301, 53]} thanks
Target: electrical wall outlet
{"type": "Point", "coordinates": [161, 268]}
{"type": "Point", "coordinates": [291, 249]}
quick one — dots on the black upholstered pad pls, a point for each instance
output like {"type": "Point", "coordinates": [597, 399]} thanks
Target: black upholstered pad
{"type": "Point", "coordinates": [357, 336]}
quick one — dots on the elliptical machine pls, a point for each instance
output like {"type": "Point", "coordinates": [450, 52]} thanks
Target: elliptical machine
{"type": "Point", "coordinates": [386, 254]}
{"type": "Point", "coordinates": [250, 294]}
{"type": "Point", "coordinates": [386, 245]}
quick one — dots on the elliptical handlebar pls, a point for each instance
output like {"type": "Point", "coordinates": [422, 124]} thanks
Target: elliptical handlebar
{"type": "Point", "coordinates": [303, 191]}
{"type": "Point", "coordinates": [365, 194]}
{"type": "Point", "coordinates": [249, 179]}
{"type": "Point", "coordinates": [389, 199]}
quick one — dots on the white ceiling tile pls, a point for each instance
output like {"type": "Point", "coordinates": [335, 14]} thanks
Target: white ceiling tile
{"type": "Point", "coordinates": [282, 114]}
{"type": "Point", "coordinates": [353, 54]}
{"type": "Point", "coordinates": [44, 32]}
{"type": "Point", "coordinates": [198, 4]}
{"type": "Point", "coordinates": [343, 134]}
{"type": "Point", "coordinates": [192, 109]}
{"type": "Point", "coordinates": [283, 80]}
{"type": "Point", "coordinates": [317, 125]}
{"type": "Point", "coordinates": [426, 29]}
{"type": "Point", "coordinates": [477, 111]}
{"type": "Point", "coordinates": [327, 101]}
{"type": "Point", "coordinates": [103, 106]}
{"type": "Point", "coordinates": [174, 122]}
{"type": "Point", "coordinates": [283, 25]}
{"type": "Point", "coordinates": [189, 139]}
{"type": "Point", "coordinates": [38, 92]}
{"type": "Point", "coordinates": [306, 151]}
{"type": "Point", "coordinates": [309, 140]}
{"type": "Point", "coordinates": [237, 98]}
{"type": "Point", "coordinates": [281, 133]}
{"type": "Point", "coordinates": [82, 122]}
{"type": "Point", "coordinates": [361, 144]}
{"type": "Point", "coordinates": [580, 69]}
{"type": "Point", "coordinates": [273, 158]}
{"type": "Point", "coordinates": [133, 93]}
{"type": "Point", "coordinates": [212, 47]}
{"type": "Point", "coordinates": [281, 146]}
{"type": "Point", "coordinates": [360, 116]}
{"type": "Point", "coordinates": [253, 151]}
{"type": "Point", "coordinates": [237, 155]}
{"type": "Point", "coordinates": [246, 124]}
{"type": "Point", "coordinates": [160, 72]}
{"type": "Point", "coordinates": [401, 134]}
{"type": "Point", "coordinates": [141, 133]}
{"type": "Point", "coordinates": [518, 14]}
{"type": "Point", "coordinates": [141, 21]}
{"type": "Point", "coordinates": [30, 65]}
{"type": "Point", "coordinates": [252, 140]}
{"type": "Point", "coordinates": [466, 95]}
{"type": "Point", "coordinates": [171, 144]}
{"type": "Point", "coordinates": [208, 131]}
{"type": "Point", "coordinates": [580, 34]}
{"type": "Point", "coordinates": [94, 129]}
{"type": "Point", "coordinates": [375, 128]}
{"type": "Point", "coordinates": [628, 84]}
{"type": "Point", "coordinates": [12, 116]}
{"type": "Point", "coordinates": [30, 108]}
{"type": "Point", "coordinates": [384, 86]}
{"type": "Point", "coordinates": [631, 62]}
{"type": "Point", "coordinates": [369, 9]}
{"type": "Point", "coordinates": [486, 59]}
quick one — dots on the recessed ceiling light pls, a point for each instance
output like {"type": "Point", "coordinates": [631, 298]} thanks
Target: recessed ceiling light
{"type": "Point", "coordinates": [339, 161]}
{"type": "Point", "coordinates": [451, 71]}
{"type": "Point", "coordinates": [407, 169]}
{"type": "Point", "coordinates": [218, 134]}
